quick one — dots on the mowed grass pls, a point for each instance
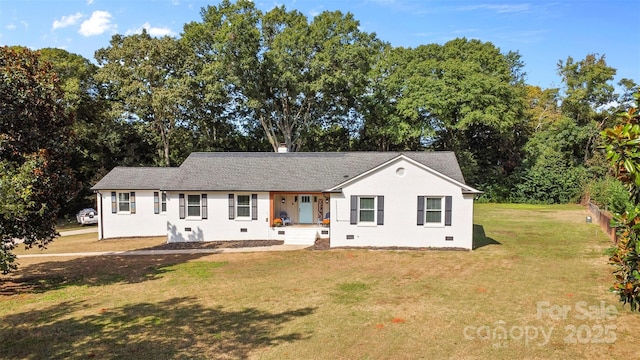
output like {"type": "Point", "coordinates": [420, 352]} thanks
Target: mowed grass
{"type": "Point", "coordinates": [540, 273]}
{"type": "Point", "coordinates": [89, 242]}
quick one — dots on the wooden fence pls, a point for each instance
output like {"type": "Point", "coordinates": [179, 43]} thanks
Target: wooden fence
{"type": "Point", "coordinates": [603, 218]}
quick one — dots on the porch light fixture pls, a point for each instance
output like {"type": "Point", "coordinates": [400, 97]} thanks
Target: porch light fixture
{"type": "Point", "coordinates": [295, 198]}
{"type": "Point", "coordinates": [283, 200]}
{"type": "Point", "coordinates": [326, 201]}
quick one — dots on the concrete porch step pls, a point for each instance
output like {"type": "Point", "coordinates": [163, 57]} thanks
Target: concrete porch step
{"type": "Point", "coordinates": [300, 236]}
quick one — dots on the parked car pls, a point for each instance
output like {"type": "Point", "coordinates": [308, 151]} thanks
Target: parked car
{"type": "Point", "coordinates": [87, 216]}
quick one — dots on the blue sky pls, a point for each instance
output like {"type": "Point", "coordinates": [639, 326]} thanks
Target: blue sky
{"type": "Point", "coordinates": [542, 31]}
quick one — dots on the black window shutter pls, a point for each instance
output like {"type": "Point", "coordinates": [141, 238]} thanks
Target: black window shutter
{"type": "Point", "coordinates": [380, 210]}
{"type": "Point", "coordinates": [132, 200]}
{"type": "Point", "coordinates": [114, 203]}
{"type": "Point", "coordinates": [447, 210]}
{"type": "Point", "coordinates": [354, 210]}
{"type": "Point", "coordinates": [181, 205]}
{"type": "Point", "coordinates": [232, 210]}
{"type": "Point", "coordinates": [254, 206]}
{"type": "Point", "coordinates": [420, 210]}
{"type": "Point", "coordinates": [203, 202]}
{"type": "Point", "coordinates": [156, 202]}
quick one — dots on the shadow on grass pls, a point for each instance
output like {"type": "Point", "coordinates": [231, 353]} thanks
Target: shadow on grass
{"type": "Point", "coordinates": [211, 245]}
{"type": "Point", "coordinates": [89, 271]}
{"type": "Point", "coordinates": [175, 328]}
{"type": "Point", "coordinates": [480, 238]}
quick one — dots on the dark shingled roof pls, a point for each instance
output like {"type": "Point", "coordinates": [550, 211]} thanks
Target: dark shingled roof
{"type": "Point", "coordinates": [136, 178]}
{"type": "Point", "coordinates": [295, 171]}
{"type": "Point", "coordinates": [265, 171]}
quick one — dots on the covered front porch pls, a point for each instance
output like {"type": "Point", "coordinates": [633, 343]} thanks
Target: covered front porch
{"type": "Point", "coordinates": [299, 217]}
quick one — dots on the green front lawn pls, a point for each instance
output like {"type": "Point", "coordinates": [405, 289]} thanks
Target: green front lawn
{"type": "Point", "coordinates": [541, 275]}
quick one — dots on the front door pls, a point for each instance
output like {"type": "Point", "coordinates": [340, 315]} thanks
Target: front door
{"type": "Point", "coordinates": [305, 210]}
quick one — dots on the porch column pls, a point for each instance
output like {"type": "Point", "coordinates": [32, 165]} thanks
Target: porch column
{"type": "Point", "coordinates": [271, 208]}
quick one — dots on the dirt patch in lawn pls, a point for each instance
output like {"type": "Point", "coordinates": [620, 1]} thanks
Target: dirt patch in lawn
{"type": "Point", "coordinates": [89, 243]}
{"type": "Point", "coordinates": [325, 244]}
{"type": "Point", "coordinates": [321, 244]}
{"type": "Point", "coordinates": [218, 244]}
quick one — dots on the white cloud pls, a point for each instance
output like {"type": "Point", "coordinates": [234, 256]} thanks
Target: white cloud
{"type": "Point", "coordinates": [11, 26]}
{"type": "Point", "coordinates": [66, 21]}
{"type": "Point", "coordinates": [316, 11]}
{"type": "Point", "coordinates": [98, 23]}
{"type": "Point", "coordinates": [153, 31]}
{"type": "Point", "coordinates": [89, 2]}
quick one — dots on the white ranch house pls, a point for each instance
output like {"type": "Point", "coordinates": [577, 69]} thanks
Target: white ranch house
{"type": "Point", "coordinates": [380, 199]}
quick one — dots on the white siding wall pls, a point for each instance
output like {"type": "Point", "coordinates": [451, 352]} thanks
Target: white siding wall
{"type": "Point", "coordinates": [143, 223]}
{"type": "Point", "coordinates": [400, 210]}
{"type": "Point", "coordinates": [217, 226]}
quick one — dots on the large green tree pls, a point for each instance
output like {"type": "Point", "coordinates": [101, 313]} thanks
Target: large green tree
{"type": "Point", "coordinates": [81, 99]}
{"type": "Point", "coordinates": [464, 96]}
{"type": "Point", "coordinates": [213, 53]}
{"type": "Point", "coordinates": [290, 75]}
{"type": "Point", "coordinates": [475, 104]}
{"type": "Point", "coordinates": [103, 141]}
{"type": "Point", "coordinates": [559, 156]}
{"type": "Point", "coordinates": [543, 108]}
{"type": "Point", "coordinates": [552, 170]}
{"type": "Point", "coordinates": [146, 79]}
{"type": "Point", "coordinates": [384, 127]}
{"type": "Point", "coordinates": [587, 86]}
{"type": "Point", "coordinates": [588, 96]}
{"type": "Point", "coordinates": [35, 140]}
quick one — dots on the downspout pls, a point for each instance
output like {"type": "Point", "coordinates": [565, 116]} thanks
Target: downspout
{"type": "Point", "coordinates": [100, 223]}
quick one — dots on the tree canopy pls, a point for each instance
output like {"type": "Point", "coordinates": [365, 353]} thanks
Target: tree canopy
{"type": "Point", "coordinates": [35, 142]}
{"type": "Point", "coordinates": [283, 72]}
{"type": "Point", "coordinates": [145, 77]}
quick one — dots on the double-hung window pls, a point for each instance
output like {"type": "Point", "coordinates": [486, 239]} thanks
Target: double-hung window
{"type": "Point", "coordinates": [124, 204]}
{"type": "Point", "coordinates": [434, 210]}
{"type": "Point", "coordinates": [159, 202]}
{"type": "Point", "coordinates": [367, 210]}
{"type": "Point", "coordinates": [243, 206]}
{"type": "Point", "coordinates": [193, 205]}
